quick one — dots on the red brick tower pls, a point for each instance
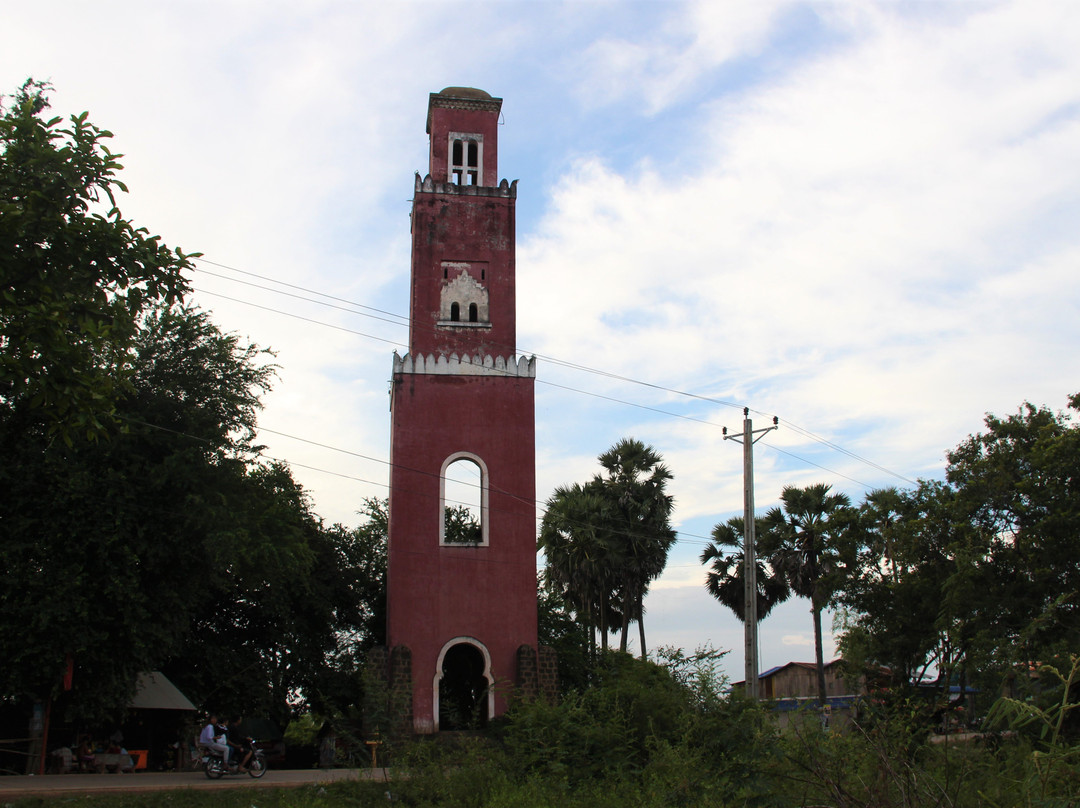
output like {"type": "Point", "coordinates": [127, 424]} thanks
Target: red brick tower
{"type": "Point", "coordinates": [462, 601]}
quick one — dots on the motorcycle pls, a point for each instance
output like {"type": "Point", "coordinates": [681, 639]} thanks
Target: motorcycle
{"type": "Point", "coordinates": [215, 767]}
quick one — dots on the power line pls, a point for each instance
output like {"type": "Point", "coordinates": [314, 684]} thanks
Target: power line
{"type": "Point", "coordinates": [397, 319]}
{"type": "Point", "coordinates": [690, 538]}
{"type": "Point", "coordinates": [792, 455]}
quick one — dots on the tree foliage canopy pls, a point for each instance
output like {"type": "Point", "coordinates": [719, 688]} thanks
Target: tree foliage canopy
{"type": "Point", "coordinates": [725, 579]}
{"type": "Point", "coordinates": [806, 540]}
{"type": "Point", "coordinates": [75, 276]}
{"type": "Point", "coordinates": [977, 576]}
{"type": "Point", "coordinates": [606, 540]}
{"type": "Point", "coordinates": [154, 535]}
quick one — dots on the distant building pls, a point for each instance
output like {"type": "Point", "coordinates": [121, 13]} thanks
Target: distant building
{"type": "Point", "coordinates": [798, 680]}
{"type": "Point", "coordinates": [793, 687]}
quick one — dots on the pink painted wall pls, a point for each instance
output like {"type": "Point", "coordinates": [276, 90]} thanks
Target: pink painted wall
{"type": "Point", "coordinates": [478, 230]}
{"type": "Point", "coordinates": [438, 593]}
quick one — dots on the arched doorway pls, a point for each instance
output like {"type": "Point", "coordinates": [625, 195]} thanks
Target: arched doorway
{"type": "Point", "coordinates": [464, 693]}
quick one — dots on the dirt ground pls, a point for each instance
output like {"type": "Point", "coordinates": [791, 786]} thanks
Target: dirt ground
{"type": "Point", "coordinates": [74, 784]}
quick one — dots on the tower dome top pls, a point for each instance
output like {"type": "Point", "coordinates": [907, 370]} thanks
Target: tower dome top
{"type": "Point", "coordinates": [463, 98]}
{"type": "Point", "coordinates": [465, 92]}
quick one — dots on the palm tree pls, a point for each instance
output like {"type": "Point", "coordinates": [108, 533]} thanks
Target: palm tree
{"type": "Point", "coordinates": [638, 520]}
{"type": "Point", "coordinates": [881, 511]}
{"type": "Point", "coordinates": [725, 579]}
{"type": "Point", "coordinates": [803, 541]}
{"type": "Point", "coordinates": [578, 555]}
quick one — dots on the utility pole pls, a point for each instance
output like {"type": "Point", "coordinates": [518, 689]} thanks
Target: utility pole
{"type": "Point", "coordinates": [750, 617]}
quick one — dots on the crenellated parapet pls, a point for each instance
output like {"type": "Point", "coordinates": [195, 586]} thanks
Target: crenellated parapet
{"type": "Point", "coordinates": [453, 365]}
{"type": "Point", "coordinates": [429, 186]}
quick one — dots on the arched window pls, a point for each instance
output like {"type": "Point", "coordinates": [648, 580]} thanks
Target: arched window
{"type": "Point", "coordinates": [466, 159]}
{"type": "Point", "coordinates": [474, 313]}
{"type": "Point", "coordinates": [455, 312]}
{"type": "Point", "coordinates": [463, 502]}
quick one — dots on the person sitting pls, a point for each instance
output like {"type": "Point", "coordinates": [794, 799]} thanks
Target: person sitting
{"type": "Point", "coordinates": [239, 743]}
{"type": "Point", "coordinates": [118, 759]}
{"type": "Point", "coordinates": [64, 760]}
{"type": "Point", "coordinates": [212, 738]}
{"type": "Point", "coordinates": [85, 754]}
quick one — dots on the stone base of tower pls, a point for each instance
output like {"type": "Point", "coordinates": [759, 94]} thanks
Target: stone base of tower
{"type": "Point", "coordinates": [538, 673]}
{"type": "Point", "coordinates": [390, 704]}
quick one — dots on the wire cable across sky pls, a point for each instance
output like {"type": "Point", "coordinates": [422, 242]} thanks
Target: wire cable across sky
{"type": "Point", "coordinates": [381, 315]}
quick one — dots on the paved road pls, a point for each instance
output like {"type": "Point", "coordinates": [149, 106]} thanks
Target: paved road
{"type": "Point", "coordinates": [72, 784]}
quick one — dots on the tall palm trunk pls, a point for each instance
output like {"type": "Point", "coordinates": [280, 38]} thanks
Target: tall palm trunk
{"type": "Point", "coordinates": [603, 622]}
{"type": "Point", "coordinates": [816, 606]}
{"type": "Point", "coordinates": [641, 625]}
{"type": "Point", "coordinates": [801, 539]}
{"type": "Point", "coordinates": [627, 613]}
{"type": "Point", "coordinates": [819, 657]}
{"type": "Point", "coordinates": [590, 630]}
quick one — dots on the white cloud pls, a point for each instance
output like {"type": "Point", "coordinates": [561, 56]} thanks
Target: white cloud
{"type": "Point", "coordinates": [857, 237]}
{"type": "Point", "coordinates": [857, 216]}
{"type": "Point", "coordinates": [662, 67]}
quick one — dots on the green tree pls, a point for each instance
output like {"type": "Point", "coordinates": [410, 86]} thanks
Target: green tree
{"type": "Point", "coordinates": [726, 577]}
{"type": "Point", "coordinates": [557, 628]}
{"type": "Point", "coordinates": [461, 525]}
{"type": "Point", "coordinates": [805, 542]}
{"type": "Point", "coordinates": [350, 579]}
{"type": "Point", "coordinates": [1016, 484]}
{"type": "Point", "coordinates": [902, 595]}
{"type": "Point", "coordinates": [74, 274]}
{"type": "Point", "coordinates": [108, 547]}
{"type": "Point", "coordinates": [288, 617]}
{"type": "Point", "coordinates": [977, 576]}
{"type": "Point", "coordinates": [578, 557]}
{"type": "Point", "coordinates": [366, 554]}
{"type": "Point", "coordinates": [606, 540]}
{"type": "Point", "coordinates": [637, 520]}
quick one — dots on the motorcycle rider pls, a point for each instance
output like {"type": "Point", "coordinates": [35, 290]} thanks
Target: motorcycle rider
{"type": "Point", "coordinates": [212, 737]}
{"type": "Point", "coordinates": [239, 743]}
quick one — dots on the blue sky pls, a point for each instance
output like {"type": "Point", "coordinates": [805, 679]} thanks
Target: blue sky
{"type": "Point", "coordinates": [857, 216]}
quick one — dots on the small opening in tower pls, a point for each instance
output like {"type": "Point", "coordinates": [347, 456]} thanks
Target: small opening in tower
{"type": "Point", "coordinates": [474, 313]}
{"type": "Point", "coordinates": [455, 312]}
{"type": "Point", "coordinates": [445, 272]}
{"type": "Point", "coordinates": [474, 163]}
{"type": "Point", "coordinates": [465, 159]}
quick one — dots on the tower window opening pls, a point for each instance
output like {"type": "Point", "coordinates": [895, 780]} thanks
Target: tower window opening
{"type": "Point", "coordinates": [455, 312]}
{"type": "Point", "coordinates": [463, 502]}
{"type": "Point", "coordinates": [473, 313]}
{"type": "Point", "coordinates": [466, 159]}
{"type": "Point", "coordinates": [474, 163]}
